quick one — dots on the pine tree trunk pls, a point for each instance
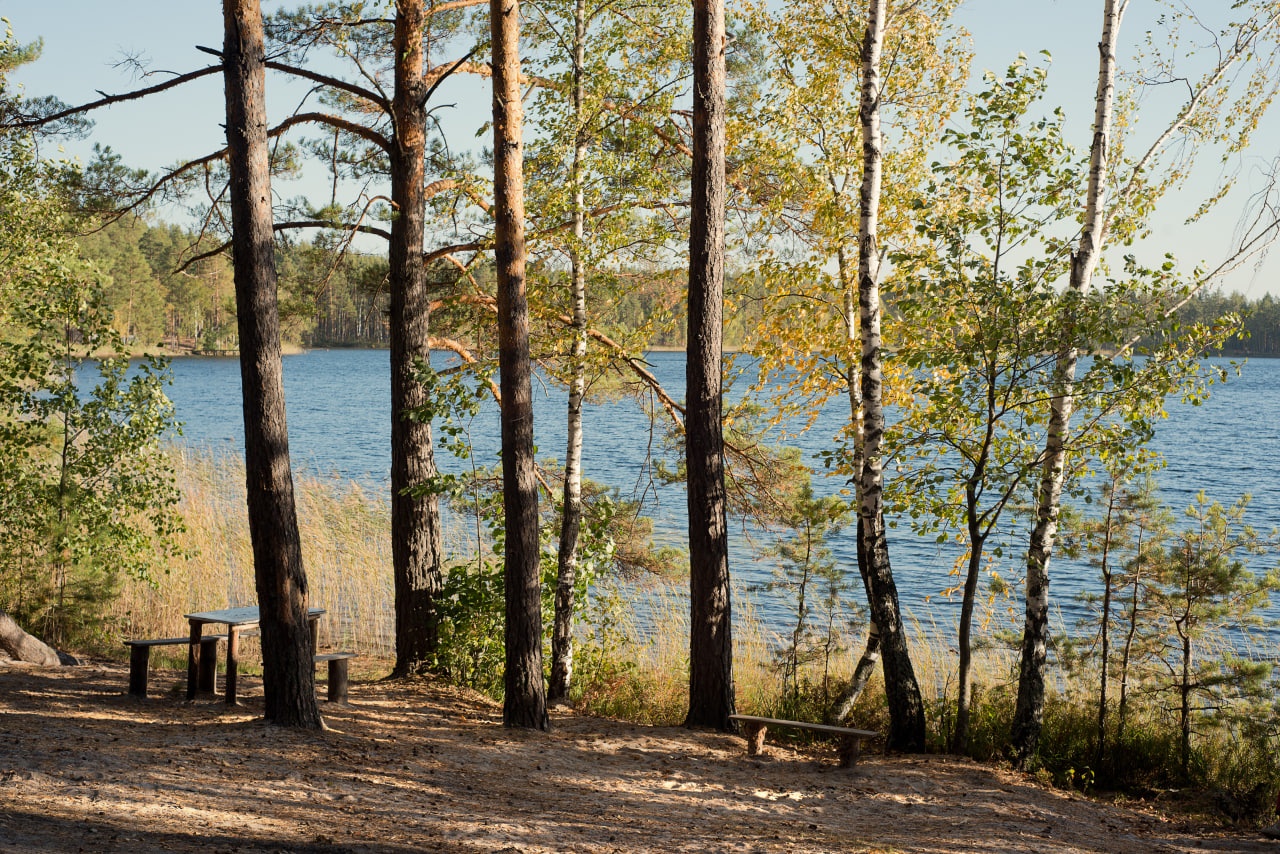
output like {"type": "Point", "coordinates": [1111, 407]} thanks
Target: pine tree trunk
{"type": "Point", "coordinates": [1029, 710]}
{"type": "Point", "coordinates": [525, 704]}
{"type": "Point", "coordinates": [906, 710]}
{"type": "Point", "coordinates": [415, 520]}
{"type": "Point", "coordinates": [571, 519]}
{"type": "Point", "coordinates": [288, 674]}
{"type": "Point", "coordinates": [711, 690]}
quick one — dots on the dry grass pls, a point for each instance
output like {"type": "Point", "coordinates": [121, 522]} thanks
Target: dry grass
{"type": "Point", "coordinates": [346, 545]}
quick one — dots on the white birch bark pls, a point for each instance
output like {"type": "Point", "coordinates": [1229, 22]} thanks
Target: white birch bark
{"type": "Point", "coordinates": [906, 711]}
{"type": "Point", "coordinates": [1029, 712]}
{"type": "Point", "coordinates": [571, 515]}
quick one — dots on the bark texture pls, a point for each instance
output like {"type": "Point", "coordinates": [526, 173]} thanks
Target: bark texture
{"type": "Point", "coordinates": [288, 676]}
{"type": "Point", "coordinates": [21, 646]}
{"type": "Point", "coordinates": [711, 689]}
{"type": "Point", "coordinates": [525, 704]}
{"type": "Point", "coordinates": [415, 520]}
{"type": "Point", "coordinates": [1028, 716]}
{"type": "Point", "coordinates": [571, 515]}
{"type": "Point", "coordinates": [906, 710]}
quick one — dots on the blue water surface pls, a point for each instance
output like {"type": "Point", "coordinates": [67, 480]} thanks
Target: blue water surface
{"type": "Point", "coordinates": [339, 415]}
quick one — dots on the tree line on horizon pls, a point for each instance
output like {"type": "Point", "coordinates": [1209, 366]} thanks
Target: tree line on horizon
{"type": "Point", "coordinates": [336, 297]}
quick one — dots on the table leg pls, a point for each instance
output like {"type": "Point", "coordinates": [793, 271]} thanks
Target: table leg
{"type": "Point", "coordinates": [233, 662]}
{"type": "Point", "coordinates": [193, 657]}
{"type": "Point", "coordinates": [314, 624]}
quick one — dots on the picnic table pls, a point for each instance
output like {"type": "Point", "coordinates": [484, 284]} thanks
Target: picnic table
{"type": "Point", "coordinates": [236, 620]}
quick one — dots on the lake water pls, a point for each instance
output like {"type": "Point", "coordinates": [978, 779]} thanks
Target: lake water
{"type": "Point", "coordinates": [338, 410]}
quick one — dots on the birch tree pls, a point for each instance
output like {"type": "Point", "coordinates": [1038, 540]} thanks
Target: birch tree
{"type": "Point", "coordinates": [1221, 107]}
{"type": "Point", "coordinates": [606, 87]}
{"type": "Point", "coordinates": [906, 710]}
{"type": "Point", "coordinates": [799, 151]}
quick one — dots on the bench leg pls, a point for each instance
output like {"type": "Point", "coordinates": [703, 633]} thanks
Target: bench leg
{"type": "Point", "coordinates": [233, 663]}
{"type": "Point", "coordinates": [193, 657]}
{"type": "Point", "coordinates": [139, 660]}
{"type": "Point", "coordinates": [338, 680]}
{"type": "Point", "coordinates": [849, 749]}
{"type": "Point", "coordinates": [755, 737]}
{"type": "Point", "coordinates": [208, 665]}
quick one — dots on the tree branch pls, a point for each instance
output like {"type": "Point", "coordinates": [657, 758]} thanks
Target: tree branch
{"type": "Point", "coordinates": [108, 100]}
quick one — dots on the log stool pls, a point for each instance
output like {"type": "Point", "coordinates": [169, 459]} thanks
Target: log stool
{"type": "Point", "coordinates": [337, 674]}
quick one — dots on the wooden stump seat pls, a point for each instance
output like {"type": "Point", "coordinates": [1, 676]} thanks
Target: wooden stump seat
{"type": "Point", "coordinates": [337, 674]}
{"type": "Point", "coordinates": [849, 739]}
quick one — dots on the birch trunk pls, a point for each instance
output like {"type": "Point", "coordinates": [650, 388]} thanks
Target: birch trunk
{"type": "Point", "coordinates": [870, 657]}
{"type": "Point", "coordinates": [288, 674]}
{"type": "Point", "coordinates": [906, 711]}
{"type": "Point", "coordinates": [571, 518]}
{"type": "Point", "coordinates": [525, 703]}
{"type": "Point", "coordinates": [415, 520]}
{"type": "Point", "coordinates": [711, 691]}
{"type": "Point", "coordinates": [1029, 711]}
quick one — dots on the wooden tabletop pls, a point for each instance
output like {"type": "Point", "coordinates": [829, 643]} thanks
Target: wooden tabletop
{"type": "Point", "coordinates": [245, 616]}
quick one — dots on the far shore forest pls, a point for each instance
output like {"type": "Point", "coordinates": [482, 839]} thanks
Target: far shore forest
{"type": "Point", "coordinates": [828, 187]}
{"type": "Point", "coordinates": [336, 297]}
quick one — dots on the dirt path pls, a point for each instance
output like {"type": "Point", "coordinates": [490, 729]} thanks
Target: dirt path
{"type": "Point", "coordinates": [409, 768]}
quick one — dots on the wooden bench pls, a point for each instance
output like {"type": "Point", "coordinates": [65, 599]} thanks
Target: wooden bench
{"type": "Point", "coordinates": [337, 674]}
{"type": "Point", "coordinates": [140, 661]}
{"type": "Point", "coordinates": [850, 740]}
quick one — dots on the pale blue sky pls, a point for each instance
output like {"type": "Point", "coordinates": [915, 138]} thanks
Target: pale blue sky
{"type": "Point", "coordinates": [85, 38]}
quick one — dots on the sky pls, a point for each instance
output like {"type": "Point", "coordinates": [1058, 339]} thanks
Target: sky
{"type": "Point", "coordinates": [85, 41]}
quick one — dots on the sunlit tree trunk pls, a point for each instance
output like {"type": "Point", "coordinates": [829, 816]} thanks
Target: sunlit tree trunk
{"type": "Point", "coordinates": [906, 711]}
{"type": "Point", "coordinates": [288, 674]}
{"type": "Point", "coordinates": [571, 518]}
{"type": "Point", "coordinates": [1029, 711]}
{"type": "Point", "coordinates": [711, 691]}
{"type": "Point", "coordinates": [415, 519]}
{"type": "Point", "coordinates": [525, 703]}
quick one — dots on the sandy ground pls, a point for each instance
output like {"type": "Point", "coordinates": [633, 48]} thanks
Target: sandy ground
{"type": "Point", "coordinates": [416, 767]}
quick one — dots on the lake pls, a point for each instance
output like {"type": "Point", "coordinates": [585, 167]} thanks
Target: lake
{"type": "Point", "coordinates": [339, 402]}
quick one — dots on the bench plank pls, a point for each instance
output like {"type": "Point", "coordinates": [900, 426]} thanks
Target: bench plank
{"type": "Point", "coordinates": [140, 660]}
{"type": "Point", "coordinates": [850, 739]}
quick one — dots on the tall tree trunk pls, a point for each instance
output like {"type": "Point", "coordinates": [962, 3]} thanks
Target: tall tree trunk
{"type": "Point", "coordinates": [415, 520]}
{"type": "Point", "coordinates": [906, 710]}
{"type": "Point", "coordinates": [711, 690]}
{"type": "Point", "coordinates": [571, 518]}
{"type": "Point", "coordinates": [288, 674]}
{"type": "Point", "coordinates": [525, 704]}
{"type": "Point", "coordinates": [1029, 711]}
